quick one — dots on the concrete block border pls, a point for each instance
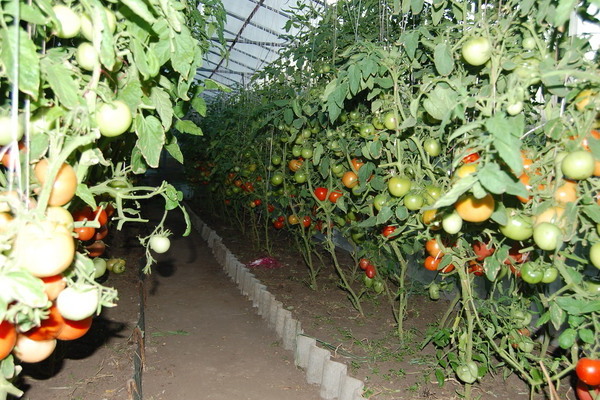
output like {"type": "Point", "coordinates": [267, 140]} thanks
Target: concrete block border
{"type": "Point", "coordinates": [331, 376]}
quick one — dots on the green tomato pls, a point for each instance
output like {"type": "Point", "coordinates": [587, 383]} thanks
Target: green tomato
{"type": "Point", "coordinates": [595, 255]}
{"type": "Point", "coordinates": [114, 118]}
{"type": "Point", "coordinates": [380, 201]}
{"type": "Point", "coordinates": [434, 291]}
{"type": "Point", "coordinates": [432, 147]}
{"type": "Point", "coordinates": [547, 236]}
{"type": "Point", "coordinates": [276, 160]}
{"type": "Point", "coordinates": [377, 286]}
{"type": "Point", "coordinates": [87, 56]}
{"type": "Point", "coordinates": [10, 131]}
{"type": "Point", "coordinates": [69, 22]}
{"type": "Point", "coordinates": [367, 130]}
{"type": "Point", "coordinates": [452, 223]}
{"type": "Point", "coordinates": [307, 153]}
{"type": "Point", "coordinates": [518, 227]}
{"type": "Point", "coordinates": [296, 150]}
{"type": "Point", "coordinates": [528, 43]}
{"type": "Point", "coordinates": [531, 274]}
{"type": "Point", "coordinates": [467, 372]}
{"type": "Point", "coordinates": [578, 165]}
{"type": "Point", "coordinates": [432, 193]}
{"type": "Point", "coordinates": [398, 186]}
{"type": "Point", "coordinates": [477, 51]}
{"type": "Point", "coordinates": [368, 281]}
{"type": "Point", "coordinates": [390, 120]}
{"type": "Point", "coordinates": [413, 201]}
{"type": "Point", "coordinates": [514, 108]}
{"type": "Point", "coordinates": [300, 176]}
{"type": "Point", "coordinates": [550, 275]}
{"type": "Point", "coordinates": [521, 318]}
{"type": "Point", "coordinates": [567, 338]}
{"type": "Point", "coordinates": [277, 179]}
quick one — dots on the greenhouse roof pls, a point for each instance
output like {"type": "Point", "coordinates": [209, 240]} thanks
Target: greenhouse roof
{"type": "Point", "coordinates": [253, 39]}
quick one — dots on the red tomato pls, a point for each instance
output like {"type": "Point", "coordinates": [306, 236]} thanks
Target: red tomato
{"type": "Point", "coordinates": [101, 216]}
{"type": "Point", "coordinates": [588, 371]}
{"type": "Point", "coordinates": [388, 230]}
{"type": "Point", "coordinates": [370, 271]}
{"type": "Point", "coordinates": [49, 328]}
{"type": "Point", "coordinates": [364, 263]}
{"type": "Point", "coordinates": [278, 224]}
{"type": "Point", "coordinates": [75, 329]}
{"type": "Point", "coordinates": [101, 232]}
{"type": "Point", "coordinates": [475, 268]}
{"type": "Point", "coordinates": [85, 233]}
{"type": "Point", "coordinates": [306, 220]}
{"type": "Point", "coordinates": [334, 196]}
{"type": "Point", "coordinates": [431, 263]}
{"type": "Point", "coordinates": [270, 208]}
{"type": "Point", "coordinates": [96, 249]}
{"type": "Point", "coordinates": [8, 338]}
{"type": "Point", "coordinates": [321, 193]}
{"type": "Point", "coordinates": [470, 158]}
{"type": "Point", "coordinates": [482, 250]}
{"type": "Point", "coordinates": [583, 391]}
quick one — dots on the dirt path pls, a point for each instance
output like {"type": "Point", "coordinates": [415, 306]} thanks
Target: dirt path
{"type": "Point", "coordinates": [204, 340]}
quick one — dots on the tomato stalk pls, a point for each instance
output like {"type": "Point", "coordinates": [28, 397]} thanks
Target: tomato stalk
{"type": "Point", "coordinates": [402, 293]}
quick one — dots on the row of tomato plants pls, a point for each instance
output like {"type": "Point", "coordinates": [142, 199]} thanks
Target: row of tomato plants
{"type": "Point", "coordinates": [462, 137]}
{"type": "Point", "coordinates": [93, 91]}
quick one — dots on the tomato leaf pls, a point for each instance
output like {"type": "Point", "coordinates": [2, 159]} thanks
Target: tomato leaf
{"type": "Point", "coordinates": [384, 215]}
{"type": "Point", "coordinates": [440, 102]}
{"type": "Point", "coordinates": [592, 211]}
{"type": "Point", "coordinates": [139, 57]}
{"type": "Point", "coordinates": [577, 306]}
{"type": "Point", "coordinates": [460, 187]}
{"type": "Point", "coordinates": [151, 138]}
{"type": "Point", "coordinates": [563, 11]}
{"type": "Point", "coordinates": [557, 315]}
{"type": "Point", "coordinates": [317, 153]}
{"type": "Point", "coordinates": [84, 193]}
{"type": "Point", "coordinates": [18, 56]}
{"type": "Point", "coordinates": [368, 223]}
{"type": "Point", "coordinates": [187, 126]}
{"type": "Point", "coordinates": [183, 56]}
{"type": "Point", "coordinates": [162, 101]}
{"type": "Point", "coordinates": [354, 77]}
{"type": "Point", "coordinates": [199, 104]}
{"type": "Point", "coordinates": [23, 287]}
{"type": "Point", "coordinates": [62, 83]}
{"type": "Point", "coordinates": [401, 213]}
{"type": "Point", "coordinates": [442, 58]}
{"type": "Point", "coordinates": [492, 268]}
{"type": "Point", "coordinates": [498, 181]}
{"type": "Point", "coordinates": [173, 148]}
{"type": "Point", "coordinates": [587, 335]}
{"type": "Point", "coordinates": [27, 12]}
{"type": "Point", "coordinates": [506, 140]}
{"type": "Point", "coordinates": [141, 9]}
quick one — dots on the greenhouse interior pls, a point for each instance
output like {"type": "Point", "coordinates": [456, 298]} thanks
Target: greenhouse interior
{"type": "Point", "coordinates": [300, 199]}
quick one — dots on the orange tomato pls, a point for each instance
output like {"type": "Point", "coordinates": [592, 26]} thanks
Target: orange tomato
{"type": "Point", "coordinates": [8, 338]}
{"type": "Point", "coordinates": [429, 217]}
{"type": "Point", "coordinates": [65, 183]}
{"type": "Point", "coordinates": [553, 215]}
{"type": "Point", "coordinates": [524, 179]}
{"type": "Point", "coordinates": [350, 179]}
{"type": "Point", "coordinates": [75, 329]}
{"type": "Point", "coordinates": [356, 164]}
{"type": "Point", "coordinates": [431, 263]}
{"type": "Point", "coordinates": [293, 219]}
{"type": "Point", "coordinates": [53, 285]}
{"type": "Point", "coordinates": [433, 248]}
{"type": "Point", "coordinates": [472, 209]}
{"type": "Point", "coordinates": [294, 165]}
{"type": "Point", "coordinates": [49, 328]}
{"type": "Point", "coordinates": [566, 193]}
